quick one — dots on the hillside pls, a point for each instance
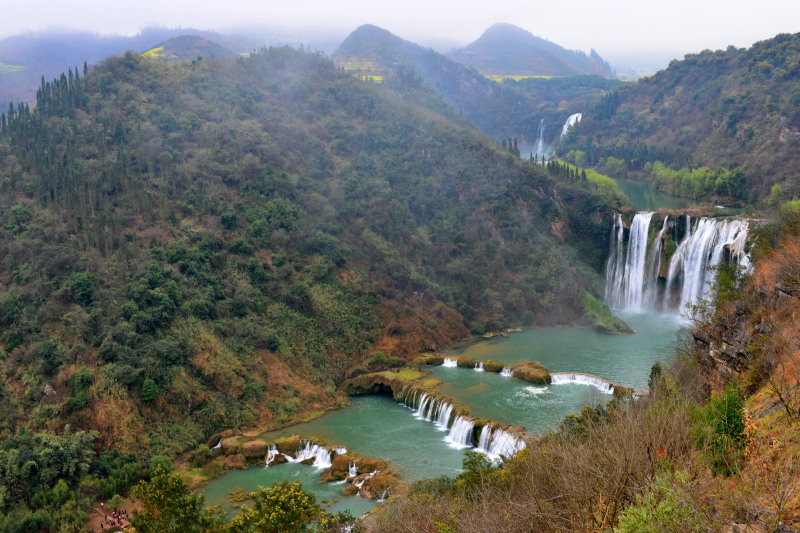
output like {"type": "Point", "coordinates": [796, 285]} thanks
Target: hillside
{"type": "Point", "coordinates": [197, 246]}
{"type": "Point", "coordinates": [188, 47]}
{"type": "Point", "coordinates": [499, 110]}
{"type": "Point", "coordinates": [48, 54]}
{"type": "Point", "coordinates": [505, 49]}
{"type": "Point", "coordinates": [734, 108]}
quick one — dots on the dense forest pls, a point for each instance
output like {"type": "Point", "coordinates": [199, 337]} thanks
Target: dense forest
{"type": "Point", "coordinates": [733, 110]}
{"type": "Point", "coordinates": [195, 246]}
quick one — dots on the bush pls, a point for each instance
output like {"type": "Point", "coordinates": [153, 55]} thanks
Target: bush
{"type": "Point", "coordinates": [721, 432]}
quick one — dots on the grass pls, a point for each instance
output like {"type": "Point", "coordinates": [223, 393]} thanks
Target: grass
{"type": "Point", "coordinates": [9, 69]}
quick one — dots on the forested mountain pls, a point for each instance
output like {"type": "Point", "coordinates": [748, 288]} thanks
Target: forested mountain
{"type": "Point", "coordinates": [505, 49]}
{"type": "Point", "coordinates": [732, 109]}
{"type": "Point", "coordinates": [25, 58]}
{"type": "Point", "coordinates": [500, 110]}
{"type": "Point", "coordinates": [194, 246]}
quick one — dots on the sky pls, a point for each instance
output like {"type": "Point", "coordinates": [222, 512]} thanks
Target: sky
{"type": "Point", "coordinates": [615, 28]}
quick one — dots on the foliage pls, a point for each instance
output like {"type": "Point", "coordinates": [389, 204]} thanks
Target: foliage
{"type": "Point", "coordinates": [283, 508]}
{"type": "Point", "coordinates": [168, 505]}
{"type": "Point", "coordinates": [720, 432]}
{"type": "Point", "coordinates": [666, 506]}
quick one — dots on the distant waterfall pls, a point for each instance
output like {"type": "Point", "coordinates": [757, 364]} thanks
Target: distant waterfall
{"type": "Point", "coordinates": [443, 416]}
{"type": "Point", "coordinates": [635, 275]}
{"type": "Point", "coordinates": [560, 378]}
{"type": "Point", "coordinates": [321, 456]}
{"type": "Point", "coordinates": [479, 366]}
{"type": "Point", "coordinates": [450, 362]}
{"type": "Point", "coordinates": [272, 453]}
{"type": "Point", "coordinates": [506, 372]}
{"type": "Point", "coordinates": [539, 146]}
{"type": "Point", "coordinates": [498, 443]}
{"type": "Point", "coordinates": [571, 121]}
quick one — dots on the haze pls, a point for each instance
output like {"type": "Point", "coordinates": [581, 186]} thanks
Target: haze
{"type": "Point", "coordinates": [620, 30]}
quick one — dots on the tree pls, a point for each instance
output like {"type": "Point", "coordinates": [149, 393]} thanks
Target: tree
{"type": "Point", "coordinates": [169, 506]}
{"type": "Point", "coordinates": [149, 390]}
{"type": "Point", "coordinates": [283, 508]}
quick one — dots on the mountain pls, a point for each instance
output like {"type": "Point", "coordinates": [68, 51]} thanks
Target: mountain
{"type": "Point", "coordinates": [48, 54]}
{"type": "Point", "coordinates": [730, 109]}
{"type": "Point", "coordinates": [499, 110]}
{"type": "Point", "coordinates": [188, 47]}
{"type": "Point", "coordinates": [508, 50]}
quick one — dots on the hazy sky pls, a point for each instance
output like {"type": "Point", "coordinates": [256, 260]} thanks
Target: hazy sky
{"type": "Point", "coordinates": [613, 27]}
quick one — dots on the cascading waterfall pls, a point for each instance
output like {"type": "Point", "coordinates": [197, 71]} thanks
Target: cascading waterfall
{"type": "Point", "coordinates": [352, 469]}
{"type": "Point", "coordinates": [561, 378]}
{"type": "Point", "coordinates": [498, 443]}
{"type": "Point", "coordinates": [321, 455]}
{"type": "Point", "coordinates": [443, 416]}
{"type": "Point", "coordinates": [507, 372]}
{"type": "Point", "coordinates": [632, 276]}
{"type": "Point", "coordinates": [423, 402]}
{"type": "Point", "coordinates": [272, 453]}
{"type": "Point", "coordinates": [461, 433]}
{"type": "Point", "coordinates": [539, 147]}
{"type": "Point", "coordinates": [571, 121]}
{"type": "Point", "coordinates": [450, 362]}
{"type": "Point", "coordinates": [479, 366]}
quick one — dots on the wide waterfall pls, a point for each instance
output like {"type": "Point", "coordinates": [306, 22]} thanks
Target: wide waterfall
{"type": "Point", "coordinates": [450, 362]}
{"type": "Point", "coordinates": [571, 121]}
{"type": "Point", "coordinates": [321, 456]}
{"type": "Point", "coordinates": [670, 268]}
{"type": "Point", "coordinates": [560, 378]}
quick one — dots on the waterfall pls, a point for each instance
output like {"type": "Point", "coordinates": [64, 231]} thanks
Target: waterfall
{"type": "Point", "coordinates": [506, 372]}
{"type": "Point", "coordinates": [571, 121]}
{"type": "Point", "coordinates": [632, 275]}
{"type": "Point", "coordinates": [461, 433]}
{"type": "Point", "coordinates": [340, 451]}
{"type": "Point", "coordinates": [704, 246]}
{"type": "Point", "coordinates": [450, 362]}
{"type": "Point", "coordinates": [560, 378]}
{"type": "Point", "coordinates": [479, 366]}
{"type": "Point", "coordinates": [422, 404]}
{"type": "Point", "coordinates": [321, 456]}
{"type": "Point", "coordinates": [352, 469]}
{"type": "Point", "coordinates": [272, 453]}
{"type": "Point", "coordinates": [218, 445]}
{"type": "Point", "coordinates": [539, 146]}
{"type": "Point", "coordinates": [443, 416]}
{"type": "Point", "coordinates": [498, 443]}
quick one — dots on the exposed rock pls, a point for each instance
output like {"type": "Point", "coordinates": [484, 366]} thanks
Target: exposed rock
{"type": "Point", "coordinates": [255, 449]}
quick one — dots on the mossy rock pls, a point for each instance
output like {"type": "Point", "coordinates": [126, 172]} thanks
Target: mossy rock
{"type": "Point", "coordinates": [255, 449]}
{"type": "Point", "coordinates": [339, 470]}
{"type": "Point", "coordinates": [600, 317]}
{"type": "Point", "coordinates": [466, 361]}
{"type": "Point", "coordinates": [236, 461]}
{"type": "Point", "coordinates": [376, 486]}
{"type": "Point", "coordinates": [231, 445]}
{"type": "Point", "coordinates": [290, 444]}
{"type": "Point", "coordinates": [533, 372]}
{"type": "Point", "coordinates": [434, 360]}
{"type": "Point", "coordinates": [350, 490]}
{"type": "Point", "coordinates": [371, 465]}
{"type": "Point", "coordinates": [493, 366]}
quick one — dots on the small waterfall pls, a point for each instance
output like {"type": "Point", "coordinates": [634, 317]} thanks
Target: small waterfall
{"type": "Point", "coordinates": [321, 456]}
{"type": "Point", "coordinates": [450, 362]}
{"type": "Point", "coordinates": [461, 433]}
{"type": "Point", "coordinates": [443, 416]}
{"type": "Point", "coordinates": [479, 366]}
{"type": "Point", "coordinates": [340, 451]}
{"type": "Point", "coordinates": [539, 146]}
{"type": "Point", "coordinates": [352, 469]}
{"type": "Point", "coordinates": [499, 443]}
{"type": "Point", "coordinates": [218, 445]}
{"type": "Point", "coordinates": [571, 121]}
{"type": "Point", "coordinates": [507, 372]}
{"type": "Point", "coordinates": [272, 453]}
{"type": "Point", "coordinates": [560, 378]}
{"type": "Point", "coordinates": [423, 403]}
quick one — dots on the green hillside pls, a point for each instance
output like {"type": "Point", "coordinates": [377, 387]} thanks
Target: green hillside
{"type": "Point", "coordinates": [195, 246]}
{"type": "Point", "coordinates": [188, 47]}
{"type": "Point", "coordinates": [730, 109]}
